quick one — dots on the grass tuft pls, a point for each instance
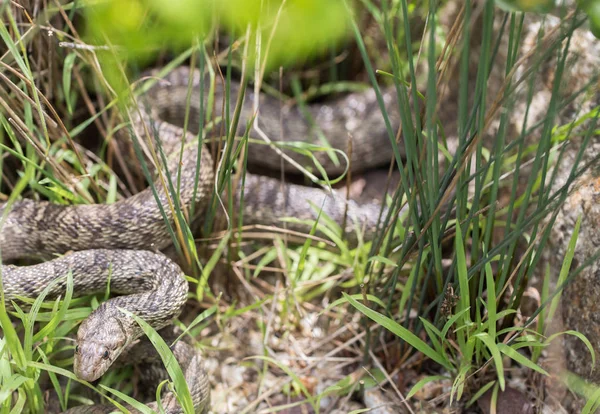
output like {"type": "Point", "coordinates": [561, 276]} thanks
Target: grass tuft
{"type": "Point", "coordinates": [463, 239]}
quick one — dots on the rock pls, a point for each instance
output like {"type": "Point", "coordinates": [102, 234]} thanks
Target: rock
{"type": "Point", "coordinates": [380, 402]}
{"type": "Point", "coordinates": [580, 302]}
{"type": "Point", "coordinates": [510, 401]}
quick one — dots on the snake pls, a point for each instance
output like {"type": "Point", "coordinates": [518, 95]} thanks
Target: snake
{"type": "Point", "coordinates": [117, 246]}
{"type": "Point", "coordinates": [152, 286]}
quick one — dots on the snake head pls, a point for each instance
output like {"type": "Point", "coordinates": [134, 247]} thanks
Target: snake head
{"type": "Point", "coordinates": [100, 340]}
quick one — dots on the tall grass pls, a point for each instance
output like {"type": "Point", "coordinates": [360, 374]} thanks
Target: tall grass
{"type": "Point", "coordinates": [463, 236]}
{"type": "Point", "coordinates": [464, 199]}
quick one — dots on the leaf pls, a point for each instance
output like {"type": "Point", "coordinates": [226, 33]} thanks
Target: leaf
{"type": "Point", "coordinates": [342, 387]}
{"type": "Point", "coordinates": [210, 265]}
{"type": "Point", "coordinates": [497, 358]}
{"type": "Point", "coordinates": [406, 291]}
{"type": "Point", "coordinates": [480, 392]}
{"type": "Point", "coordinates": [434, 335]}
{"type": "Point", "coordinates": [459, 382]}
{"type": "Point", "coordinates": [463, 279]}
{"type": "Point", "coordinates": [67, 74]}
{"type": "Point", "coordinates": [582, 337]}
{"type": "Point", "coordinates": [536, 6]}
{"type": "Point", "coordinates": [566, 266]}
{"type": "Point", "coordinates": [451, 321]}
{"type": "Point", "coordinates": [60, 315]}
{"type": "Point", "coordinates": [383, 260]}
{"type": "Point", "coordinates": [129, 400]}
{"type": "Point", "coordinates": [68, 374]}
{"type": "Point", "coordinates": [291, 374]}
{"type": "Point", "coordinates": [267, 258]}
{"type": "Point", "coordinates": [491, 300]}
{"type": "Point", "coordinates": [20, 403]}
{"type": "Point", "coordinates": [205, 314]}
{"type": "Point", "coordinates": [340, 301]}
{"type": "Point", "coordinates": [513, 354]}
{"type": "Point", "coordinates": [401, 332]}
{"type": "Point", "coordinates": [591, 406]}
{"type": "Point", "coordinates": [419, 385]}
{"type": "Point", "coordinates": [9, 385]}
{"type": "Point", "coordinates": [169, 361]}
{"type": "Point", "coordinates": [55, 383]}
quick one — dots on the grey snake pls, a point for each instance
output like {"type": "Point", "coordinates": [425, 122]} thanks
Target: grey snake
{"type": "Point", "coordinates": [117, 244]}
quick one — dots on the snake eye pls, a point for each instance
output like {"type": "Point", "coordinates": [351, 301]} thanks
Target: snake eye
{"type": "Point", "coordinates": [105, 355]}
{"type": "Point", "coordinates": [76, 349]}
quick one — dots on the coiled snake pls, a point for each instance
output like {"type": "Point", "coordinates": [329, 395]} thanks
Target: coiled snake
{"type": "Point", "coordinates": [115, 244]}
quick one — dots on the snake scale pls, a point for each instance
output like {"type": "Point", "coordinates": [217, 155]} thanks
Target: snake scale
{"type": "Point", "coordinates": [117, 244]}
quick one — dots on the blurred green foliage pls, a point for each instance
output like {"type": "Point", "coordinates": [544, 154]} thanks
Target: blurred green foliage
{"type": "Point", "coordinates": [590, 7]}
{"type": "Point", "coordinates": [538, 6]}
{"type": "Point", "coordinates": [299, 28]}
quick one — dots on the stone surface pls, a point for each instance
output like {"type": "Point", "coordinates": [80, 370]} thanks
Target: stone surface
{"type": "Point", "coordinates": [580, 302]}
{"type": "Point", "coordinates": [510, 401]}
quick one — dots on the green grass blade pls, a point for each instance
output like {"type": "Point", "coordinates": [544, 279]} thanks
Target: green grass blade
{"type": "Point", "coordinates": [463, 279]}
{"type": "Point", "coordinates": [143, 408]}
{"type": "Point", "coordinates": [510, 352]}
{"type": "Point", "coordinates": [592, 403]}
{"type": "Point", "coordinates": [68, 374]}
{"type": "Point", "coordinates": [400, 331]}
{"type": "Point", "coordinates": [293, 376]}
{"type": "Point", "coordinates": [497, 358]}
{"type": "Point", "coordinates": [581, 337]}
{"type": "Point", "coordinates": [491, 300]}
{"type": "Point", "coordinates": [566, 266]}
{"type": "Point", "coordinates": [419, 385]}
{"type": "Point", "coordinates": [480, 392]}
{"type": "Point", "coordinates": [169, 361]}
{"type": "Point", "coordinates": [357, 296]}
{"type": "Point", "coordinates": [453, 320]}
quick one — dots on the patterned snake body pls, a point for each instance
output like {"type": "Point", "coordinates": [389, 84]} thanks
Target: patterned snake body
{"type": "Point", "coordinates": [352, 117]}
{"type": "Point", "coordinates": [153, 287]}
{"type": "Point", "coordinates": [113, 239]}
